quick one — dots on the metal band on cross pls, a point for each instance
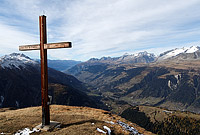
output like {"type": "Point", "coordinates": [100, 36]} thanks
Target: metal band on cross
{"type": "Point", "coordinates": [43, 46]}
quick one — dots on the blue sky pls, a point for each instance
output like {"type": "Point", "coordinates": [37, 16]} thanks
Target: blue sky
{"type": "Point", "coordinates": [100, 28]}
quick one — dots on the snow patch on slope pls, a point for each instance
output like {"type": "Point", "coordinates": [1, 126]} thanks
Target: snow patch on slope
{"type": "Point", "coordinates": [129, 128]}
{"type": "Point", "coordinates": [174, 53]}
{"type": "Point", "coordinates": [101, 131]}
{"type": "Point", "coordinates": [26, 131]}
{"type": "Point", "coordinates": [15, 60]}
{"type": "Point", "coordinates": [108, 129]}
{"type": "Point", "coordinates": [192, 49]}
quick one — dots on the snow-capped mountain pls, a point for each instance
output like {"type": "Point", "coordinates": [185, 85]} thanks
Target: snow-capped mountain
{"type": "Point", "coordinates": [16, 60]}
{"type": "Point", "coordinates": [98, 64]}
{"type": "Point", "coordinates": [20, 84]}
{"type": "Point", "coordinates": [185, 53]}
{"type": "Point", "coordinates": [192, 52]}
{"type": "Point", "coordinates": [141, 57]}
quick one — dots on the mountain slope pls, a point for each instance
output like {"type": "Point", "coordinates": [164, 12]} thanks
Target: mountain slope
{"type": "Point", "coordinates": [162, 121]}
{"type": "Point", "coordinates": [62, 65]}
{"type": "Point", "coordinates": [74, 121]}
{"type": "Point", "coordinates": [192, 52]}
{"type": "Point", "coordinates": [170, 88]}
{"type": "Point", "coordinates": [16, 60]}
{"type": "Point", "coordinates": [170, 85]}
{"type": "Point", "coordinates": [20, 84]}
{"type": "Point", "coordinates": [138, 58]}
{"type": "Point", "coordinates": [172, 81]}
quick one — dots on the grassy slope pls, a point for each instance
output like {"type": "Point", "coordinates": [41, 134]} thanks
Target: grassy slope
{"type": "Point", "coordinates": [75, 120]}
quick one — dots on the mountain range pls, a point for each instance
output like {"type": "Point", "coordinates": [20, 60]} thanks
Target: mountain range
{"type": "Point", "coordinates": [170, 80]}
{"type": "Point", "coordinates": [185, 53]}
{"type": "Point", "coordinates": [192, 52]}
{"type": "Point", "coordinates": [20, 84]}
{"type": "Point", "coordinates": [141, 57]}
{"type": "Point", "coordinates": [128, 85]}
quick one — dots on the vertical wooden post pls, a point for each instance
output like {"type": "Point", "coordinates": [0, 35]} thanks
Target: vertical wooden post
{"type": "Point", "coordinates": [43, 46]}
{"type": "Point", "coordinates": [44, 72]}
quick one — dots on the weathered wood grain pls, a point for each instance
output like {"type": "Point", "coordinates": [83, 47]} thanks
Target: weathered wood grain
{"type": "Point", "coordinates": [46, 46]}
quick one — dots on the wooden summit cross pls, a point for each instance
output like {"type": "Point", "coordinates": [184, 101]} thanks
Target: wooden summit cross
{"type": "Point", "coordinates": [43, 46]}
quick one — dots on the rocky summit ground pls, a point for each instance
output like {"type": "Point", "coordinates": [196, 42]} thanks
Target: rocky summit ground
{"type": "Point", "coordinates": [75, 121]}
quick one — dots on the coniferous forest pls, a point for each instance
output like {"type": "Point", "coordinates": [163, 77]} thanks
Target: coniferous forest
{"type": "Point", "coordinates": [171, 125]}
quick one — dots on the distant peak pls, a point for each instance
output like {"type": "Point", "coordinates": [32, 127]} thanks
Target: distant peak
{"type": "Point", "coordinates": [126, 54]}
{"type": "Point", "coordinates": [15, 60]}
{"type": "Point", "coordinates": [15, 55]}
{"type": "Point", "coordinates": [141, 57]}
{"type": "Point", "coordinates": [177, 51]}
{"type": "Point", "coordinates": [145, 53]}
{"type": "Point", "coordinates": [192, 49]}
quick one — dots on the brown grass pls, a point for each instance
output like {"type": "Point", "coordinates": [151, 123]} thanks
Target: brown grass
{"type": "Point", "coordinates": [180, 64]}
{"type": "Point", "coordinates": [75, 120]}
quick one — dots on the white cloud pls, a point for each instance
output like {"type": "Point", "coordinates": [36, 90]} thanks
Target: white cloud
{"type": "Point", "coordinates": [11, 38]}
{"type": "Point", "coordinates": [107, 28]}
{"type": "Point", "coordinates": [125, 25]}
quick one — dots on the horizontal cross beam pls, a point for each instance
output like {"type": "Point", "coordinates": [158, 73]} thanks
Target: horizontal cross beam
{"type": "Point", "coordinates": [46, 46]}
